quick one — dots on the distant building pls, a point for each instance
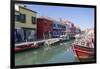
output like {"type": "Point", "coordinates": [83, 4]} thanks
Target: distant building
{"type": "Point", "coordinates": [58, 29]}
{"type": "Point", "coordinates": [89, 32]}
{"type": "Point", "coordinates": [73, 30]}
{"type": "Point", "coordinates": [70, 29]}
{"type": "Point", "coordinates": [25, 24]}
{"type": "Point", "coordinates": [44, 27]}
{"type": "Point", "coordinates": [78, 30]}
{"type": "Point", "coordinates": [67, 31]}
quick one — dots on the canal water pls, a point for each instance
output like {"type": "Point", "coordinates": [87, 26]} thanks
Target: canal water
{"type": "Point", "coordinates": [56, 53]}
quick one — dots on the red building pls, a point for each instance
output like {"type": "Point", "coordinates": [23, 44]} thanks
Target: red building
{"type": "Point", "coordinates": [44, 28]}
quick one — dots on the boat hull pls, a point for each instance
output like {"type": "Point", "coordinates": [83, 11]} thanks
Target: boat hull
{"type": "Point", "coordinates": [84, 53]}
{"type": "Point", "coordinates": [24, 47]}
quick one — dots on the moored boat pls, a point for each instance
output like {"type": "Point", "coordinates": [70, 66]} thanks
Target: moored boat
{"type": "Point", "coordinates": [84, 53]}
{"type": "Point", "coordinates": [24, 46]}
{"type": "Point", "coordinates": [84, 48]}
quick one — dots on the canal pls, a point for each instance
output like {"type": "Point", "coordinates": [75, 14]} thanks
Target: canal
{"type": "Point", "coordinates": [56, 53]}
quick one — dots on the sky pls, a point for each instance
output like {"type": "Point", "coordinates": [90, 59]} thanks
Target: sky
{"type": "Point", "coordinates": [84, 17]}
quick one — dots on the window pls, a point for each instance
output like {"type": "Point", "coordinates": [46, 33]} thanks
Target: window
{"type": "Point", "coordinates": [33, 20]}
{"type": "Point", "coordinates": [23, 18]}
{"type": "Point", "coordinates": [17, 17]}
{"type": "Point", "coordinates": [54, 25]}
{"type": "Point", "coordinates": [50, 25]}
{"type": "Point", "coordinates": [45, 23]}
{"type": "Point", "coordinates": [59, 25]}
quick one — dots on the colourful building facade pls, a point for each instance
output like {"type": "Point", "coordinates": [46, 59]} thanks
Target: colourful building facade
{"type": "Point", "coordinates": [44, 28]}
{"type": "Point", "coordinates": [57, 29]}
{"type": "Point", "coordinates": [25, 25]}
{"type": "Point", "coordinates": [71, 29]}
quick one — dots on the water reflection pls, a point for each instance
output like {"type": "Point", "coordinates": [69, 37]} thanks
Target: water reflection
{"type": "Point", "coordinates": [56, 53]}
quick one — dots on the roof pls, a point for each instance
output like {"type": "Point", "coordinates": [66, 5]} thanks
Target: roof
{"type": "Point", "coordinates": [45, 17]}
{"type": "Point", "coordinates": [27, 9]}
{"type": "Point", "coordinates": [19, 6]}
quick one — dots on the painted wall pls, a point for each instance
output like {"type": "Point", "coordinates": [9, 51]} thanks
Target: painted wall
{"type": "Point", "coordinates": [43, 25]}
{"type": "Point", "coordinates": [25, 31]}
{"type": "Point", "coordinates": [28, 23]}
{"type": "Point", "coordinates": [57, 29]}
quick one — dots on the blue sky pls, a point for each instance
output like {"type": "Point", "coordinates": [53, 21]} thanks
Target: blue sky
{"type": "Point", "coordinates": [84, 17]}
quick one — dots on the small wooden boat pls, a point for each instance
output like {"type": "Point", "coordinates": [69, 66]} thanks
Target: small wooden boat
{"type": "Point", "coordinates": [24, 46]}
{"type": "Point", "coordinates": [84, 53]}
{"type": "Point", "coordinates": [84, 50]}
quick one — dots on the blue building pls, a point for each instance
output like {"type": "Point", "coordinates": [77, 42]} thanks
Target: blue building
{"type": "Point", "coordinates": [57, 29]}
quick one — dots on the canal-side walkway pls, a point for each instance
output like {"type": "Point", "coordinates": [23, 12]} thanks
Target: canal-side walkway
{"type": "Point", "coordinates": [47, 41]}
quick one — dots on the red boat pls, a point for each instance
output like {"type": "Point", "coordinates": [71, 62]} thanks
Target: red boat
{"type": "Point", "coordinates": [84, 53]}
{"type": "Point", "coordinates": [83, 46]}
{"type": "Point", "coordinates": [24, 46]}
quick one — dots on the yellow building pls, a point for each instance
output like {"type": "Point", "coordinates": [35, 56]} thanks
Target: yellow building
{"type": "Point", "coordinates": [26, 15]}
{"type": "Point", "coordinates": [25, 25]}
